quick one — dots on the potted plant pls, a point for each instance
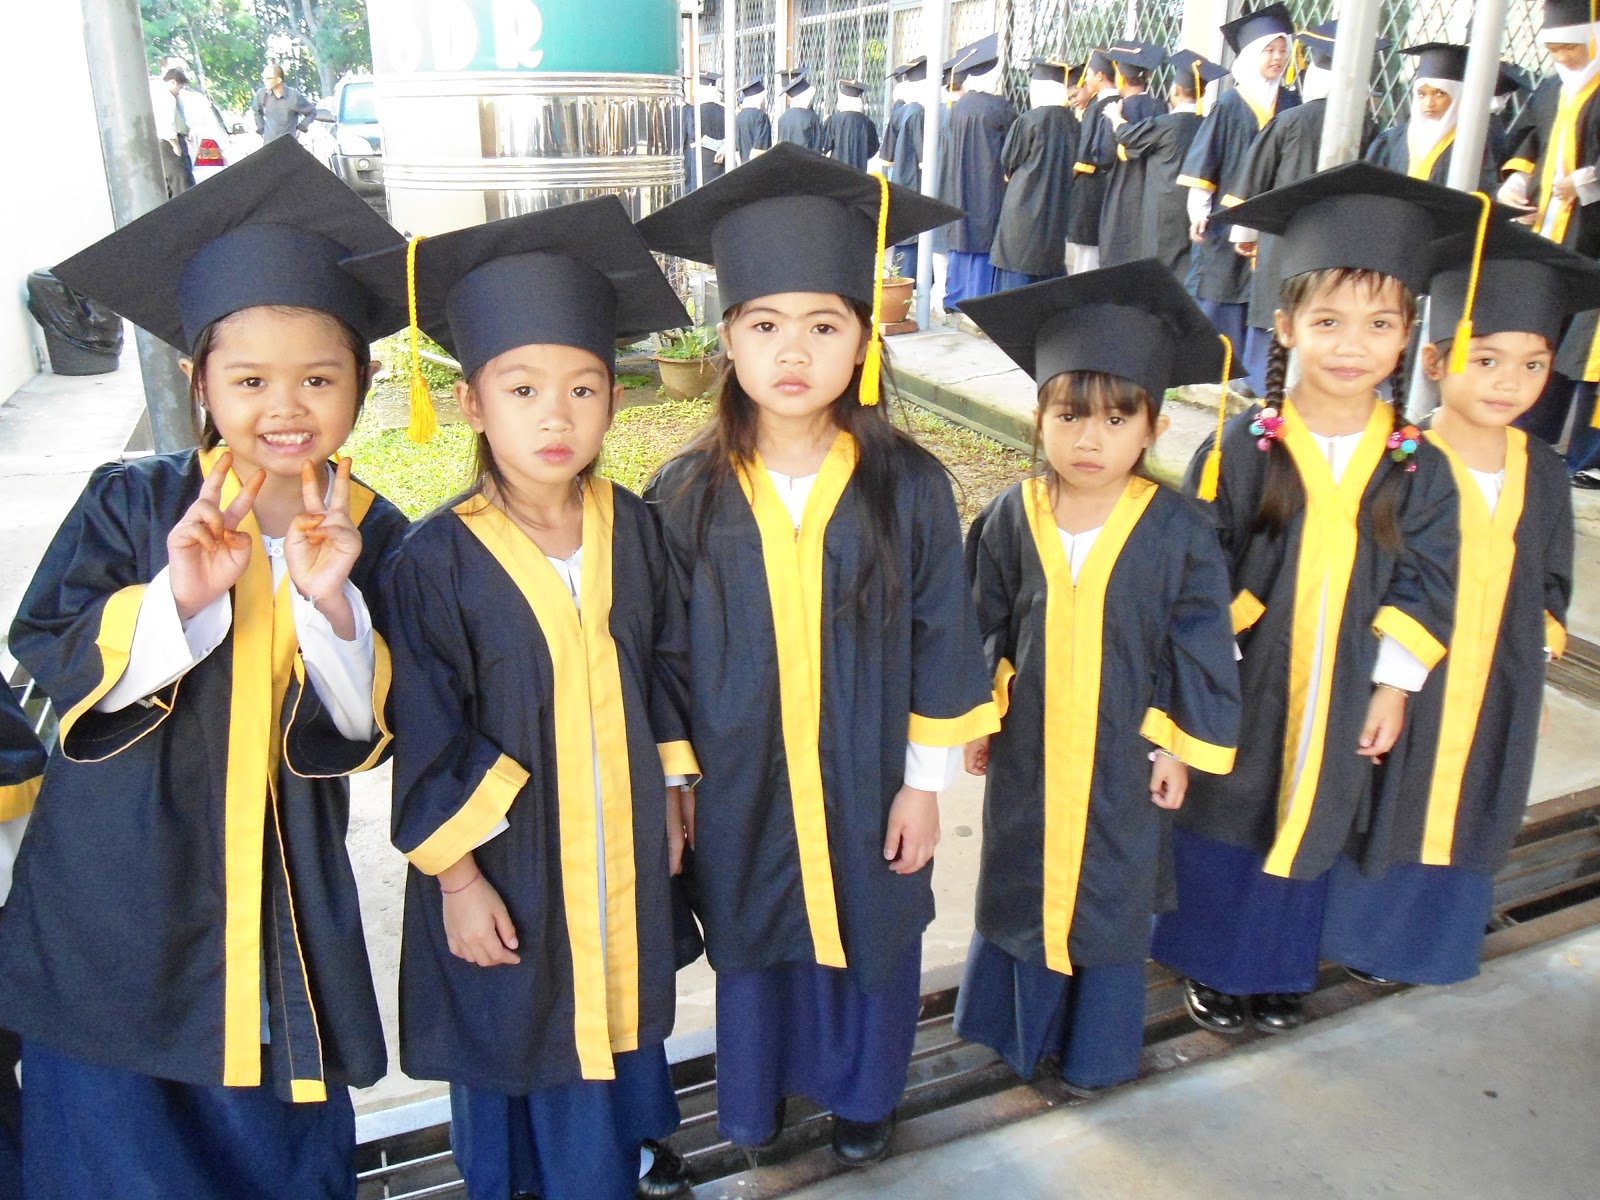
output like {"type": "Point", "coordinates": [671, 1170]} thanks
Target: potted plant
{"type": "Point", "coordinates": [897, 291]}
{"type": "Point", "coordinates": [687, 361]}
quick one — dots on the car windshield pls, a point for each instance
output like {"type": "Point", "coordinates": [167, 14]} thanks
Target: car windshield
{"type": "Point", "coordinates": [356, 104]}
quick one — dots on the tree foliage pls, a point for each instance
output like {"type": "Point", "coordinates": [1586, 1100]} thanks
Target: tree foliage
{"type": "Point", "coordinates": [227, 42]}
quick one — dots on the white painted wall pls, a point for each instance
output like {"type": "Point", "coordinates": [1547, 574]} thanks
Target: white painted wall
{"type": "Point", "coordinates": [54, 200]}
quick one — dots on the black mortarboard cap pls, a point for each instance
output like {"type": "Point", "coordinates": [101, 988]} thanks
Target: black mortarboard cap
{"type": "Point", "coordinates": [1527, 284]}
{"type": "Point", "coordinates": [1512, 79]}
{"type": "Point", "coordinates": [790, 221]}
{"type": "Point", "coordinates": [797, 85]}
{"type": "Point", "coordinates": [1101, 62]}
{"type": "Point", "coordinates": [1439, 60]}
{"type": "Point", "coordinates": [271, 229]}
{"type": "Point", "coordinates": [1134, 321]}
{"type": "Point", "coordinates": [710, 78]}
{"type": "Point", "coordinates": [979, 56]}
{"type": "Point", "coordinates": [1184, 64]}
{"type": "Point", "coordinates": [1361, 216]}
{"type": "Point", "coordinates": [1564, 14]}
{"type": "Point", "coordinates": [579, 275]}
{"type": "Point", "coordinates": [1319, 41]}
{"type": "Point", "coordinates": [1146, 56]}
{"type": "Point", "coordinates": [1045, 70]}
{"type": "Point", "coordinates": [911, 72]}
{"type": "Point", "coordinates": [1249, 27]}
{"type": "Point", "coordinates": [849, 87]}
{"type": "Point", "coordinates": [754, 88]}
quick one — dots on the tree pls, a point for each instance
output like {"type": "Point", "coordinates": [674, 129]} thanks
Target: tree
{"type": "Point", "coordinates": [219, 40]}
{"type": "Point", "coordinates": [323, 39]}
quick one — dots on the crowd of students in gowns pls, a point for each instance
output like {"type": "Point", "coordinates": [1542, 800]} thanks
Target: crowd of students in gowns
{"type": "Point", "coordinates": [786, 624]}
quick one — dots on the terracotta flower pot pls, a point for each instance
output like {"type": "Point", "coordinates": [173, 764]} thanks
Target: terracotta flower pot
{"type": "Point", "coordinates": [897, 291]}
{"type": "Point", "coordinates": [686, 378]}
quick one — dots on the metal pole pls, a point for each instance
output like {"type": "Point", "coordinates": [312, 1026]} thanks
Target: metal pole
{"type": "Point", "coordinates": [1483, 72]}
{"type": "Point", "coordinates": [730, 80]}
{"type": "Point", "coordinates": [114, 40]}
{"type": "Point", "coordinates": [935, 43]}
{"type": "Point", "coordinates": [1352, 71]}
{"type": "Point", "coordinates": [780, 41]}
{"type": "Point", "coordinates": [694, 93]}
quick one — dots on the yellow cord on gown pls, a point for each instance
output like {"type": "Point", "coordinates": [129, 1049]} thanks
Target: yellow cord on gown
{"type": "Point", "coordinates": [1211, 473]}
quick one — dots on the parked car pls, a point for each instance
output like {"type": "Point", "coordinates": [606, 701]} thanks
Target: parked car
{"type": "Point", "coordinates": [215, 141]}
{"type": "Point", "coordinates": [357, 156]}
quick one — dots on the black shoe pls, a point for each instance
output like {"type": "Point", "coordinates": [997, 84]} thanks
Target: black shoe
{"type": "Point", "coordinates": [756, 1155]}
{"type": "Point", "coordinates": [1586, 481]}
{"type": "Point", "coordinates": [1278, 1012]}
{"type": "Point", "coordinates": [1217, 1011]}
{"type": "Point", "coordinates": [667, 1176]}
{"type": "Point", "coordinates": [857, 1145]}
{"type": "Point", "coordinates": [1082, 1090]}
{"type": "Point", "coordinates": [1368, 978]}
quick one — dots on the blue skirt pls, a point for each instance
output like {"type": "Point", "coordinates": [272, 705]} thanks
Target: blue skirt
{"type": "Point", "coordinates": [99, 1131]}
{"type": "Point", "coordinates": [1005, 280]}
{"type": "Point", "coordinates": [798, 1029]}
{"type": "Point", "coordinates": [967, 277]}
{"type": "Point", "coordinates": [575, 1141]}
{"type": "Point", "coordinates": [1236, 928]}
{"type": "Point", "coordinates": [1092, 1019]}
{"type": "Point", "coordinates": [1415, 924]}
{"type": "Point", "coordinates": [1257, 342]}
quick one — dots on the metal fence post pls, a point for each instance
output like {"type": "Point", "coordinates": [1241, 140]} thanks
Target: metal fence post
{"type": "Point", "coordinates": [1483, 72]}
{"type": "Point", "coordinates": [730, 80]}
{"type": "Point", "coordinates": [1352, 68]}
{"type": "Point", "coordinates": [114, 40]}
{"type": "Point", "coordinates": [935, 41]}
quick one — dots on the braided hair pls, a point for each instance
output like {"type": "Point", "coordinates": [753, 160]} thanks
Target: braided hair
{"type": "Point", "coordinates": [1282, 493]}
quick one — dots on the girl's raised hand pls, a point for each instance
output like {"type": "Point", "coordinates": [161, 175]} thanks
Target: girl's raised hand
{"type": "Point", "coordinates": [322, 546]}
{"type": "Point", "coordinates": [206, 553]}
{"type": "Point", "coordinates": [1169, 781]}
{"type": "Point", "coordinates": [1386, 714]}
{"type": "Point", "coordinates": [913, 830]}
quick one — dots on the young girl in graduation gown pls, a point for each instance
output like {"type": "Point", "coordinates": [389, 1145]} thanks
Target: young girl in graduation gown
{"type": "Point", "coordinates": [1103, 601]}
{"type": "Point", "coordinates": [835, 667]}
{"type": "Point", "coordinates": [535, 725]}
{"type": "Point", "coordinates": [182, 951]}
{"type": "Point", "coordinates": [1414, 903]}
{"type": "Point", "coordinates": [1339, 524]}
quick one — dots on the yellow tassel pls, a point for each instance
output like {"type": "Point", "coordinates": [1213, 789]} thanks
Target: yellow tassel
{"type": "Point", "coordinates": [1211, 472]}
{"type": "Point", "coordinates": [424, 423]}
{"type": "Point", "coordinates": [872, 365]}
{"type": "Point", "coordinates": [1199, 91]}
{"type": "Point", "coordinates": [1460, 348]}
{"type": "Point", "coordinates": [1116, 71]}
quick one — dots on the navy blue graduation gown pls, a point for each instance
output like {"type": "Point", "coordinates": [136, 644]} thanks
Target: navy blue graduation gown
{"type": "Point", "coordinates": [1215, 164]}
{"type": "Point", "coordinates": [1031, 235]}
{"type": "Point", "coordinates": [1389, 150]}
{"type": "Point", "coordinates": [1088, 197]}
{"type": "Point", "coordinates": [793, 804]}
{"type": "Point", "coordinates": [850, 137]}
{"type": "Point", "coordinates": [1301, 825]}
{"type": "Point", "coordinates": [802, 127]}
{"type": "Point", "coordinates": [752, 130]}
{"type": "Point", "coordinates": [505, 699]}
{"type": "Point", "coordinates": [971, 172]}
{"type": "Point", "coordinates": [1455, 787]}
{"type": "Point", "coordinates": [181, 846]}
{"type": "Point", "coordinates": [902, 145]}
{"type": "Point", "coordinates": [21, 759]}
{"type": "Point", "coordinates": [1122, 218]}
{"type": "Point", "coordinates": [1159, 145]}
{"type": "Point", "coordinates": [1139, 652]}
{"type": "Point", "coordinates": [712, 124]}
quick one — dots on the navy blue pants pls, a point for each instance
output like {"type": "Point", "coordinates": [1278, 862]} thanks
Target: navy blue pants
{"type": "Point", "coordinates": [967, 277]}
{"type": "Point", "coordinates": [905, 260]}
{"type": "Point", "coordinates": [1005, 280]}
{"type": "Point", "coordinates": [1256, 344]}
{"type": "Point", "coordinates": [1093, 1019]}
{"type": "Point", "coordinates": [90, 1131]}
{"type": "Point", "coordinates": [575, 1141]}
{"type": "Point", "coordinates": [798, 1029]}
{"type": "Point", "coordinates": [1414, 924]}
{"type": "Point", "coordinates": [1236, 928]}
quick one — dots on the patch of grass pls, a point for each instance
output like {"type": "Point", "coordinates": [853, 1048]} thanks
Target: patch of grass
{"type": "Point", "coordinates": [420, 478]}
{"type": "Point", "coordinates": [631, 381]}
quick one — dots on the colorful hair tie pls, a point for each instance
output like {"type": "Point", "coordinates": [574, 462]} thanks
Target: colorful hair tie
{"type": "Point", "coordinates": [1266, 427]}
{"type": "Point", "coordinates": [1402, 445]}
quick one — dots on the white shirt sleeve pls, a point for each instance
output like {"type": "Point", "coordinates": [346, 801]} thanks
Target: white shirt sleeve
{"type": "Point", "coordinates": [165, 647]}
{"type": "Point", "coordinates": [1588, 188]}
{"type": "Point", "coordinates": [1199, 204]}
{"type": "Point", "coordinates": [931, 768]}
{"type": "Point", "coordinates": [341, 671]}
{"type": "Point", "coordinates": [1398, 667]}
{"type": "Point", "coordinates": [1242, 233]}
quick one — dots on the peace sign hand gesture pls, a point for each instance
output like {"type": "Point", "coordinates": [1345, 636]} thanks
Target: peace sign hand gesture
{"type": "Point", "coordinates": [206, 553]}
{"type": "Point", "coordinates": [322, 546]}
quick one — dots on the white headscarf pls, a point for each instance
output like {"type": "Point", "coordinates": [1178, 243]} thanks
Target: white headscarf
{"type": "Point", "coordinates": [989, 81]}
{"type": "Point", "coordinates": [1315, 83]}
{"type": "Point", "coordinates": [1261, 93]}
{"type": "Point", "coordinates": [1046, 93]}
{"type": "Point", "coordinates": [1574, 35]}
{"type": "Point", "coordinates": [1424, 133]}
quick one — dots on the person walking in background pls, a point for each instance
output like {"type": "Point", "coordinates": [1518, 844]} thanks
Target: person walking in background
{"type": "Point", "coordinates": [172, 129]}
{"type": "Point", "coordinates": [280, 109]}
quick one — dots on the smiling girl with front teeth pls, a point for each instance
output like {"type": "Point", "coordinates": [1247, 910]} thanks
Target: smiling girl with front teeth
{"type": "Point", "coordinates": [183, 952]}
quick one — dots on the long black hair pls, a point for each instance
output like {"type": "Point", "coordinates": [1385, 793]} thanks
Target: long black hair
{"type": "Point", "coordinates": [1283, 495]}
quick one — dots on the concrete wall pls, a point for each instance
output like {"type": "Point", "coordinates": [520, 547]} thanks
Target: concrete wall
{"type": "Point", "coordinates": [55, 196]}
